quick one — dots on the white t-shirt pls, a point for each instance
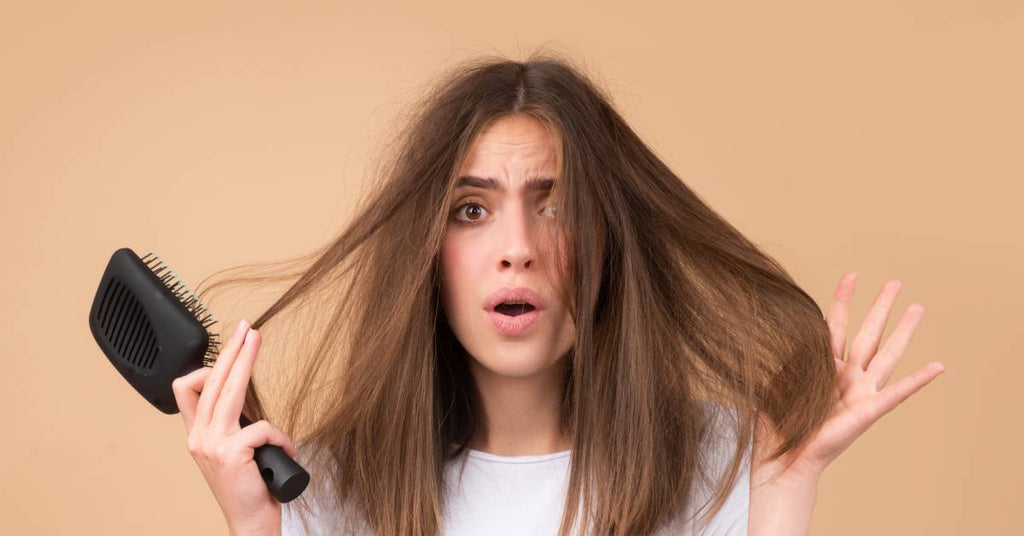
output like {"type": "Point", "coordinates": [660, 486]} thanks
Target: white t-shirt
{"type": "Point", "coordinates": [524, 496]}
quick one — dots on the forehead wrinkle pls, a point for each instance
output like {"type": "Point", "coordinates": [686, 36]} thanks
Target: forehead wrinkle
{"type": "Point", "coordinates": [511, 147]}
{"type": "Point", "coordinates": [542, 184]}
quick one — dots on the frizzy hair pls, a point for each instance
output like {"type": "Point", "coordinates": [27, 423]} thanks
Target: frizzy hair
{"type": "Point", "coordinates": [672, 307]}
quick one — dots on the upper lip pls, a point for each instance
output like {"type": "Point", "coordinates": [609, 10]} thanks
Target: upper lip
{"type": "Point", "coordinates": [504, 294]}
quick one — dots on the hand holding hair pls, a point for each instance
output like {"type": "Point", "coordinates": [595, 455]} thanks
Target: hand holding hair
{"type": "Point", "coordinates": [211, 400]}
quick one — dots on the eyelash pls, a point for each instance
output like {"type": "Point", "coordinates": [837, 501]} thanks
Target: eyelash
{"type": "Point", "coordinates": [455, 212]}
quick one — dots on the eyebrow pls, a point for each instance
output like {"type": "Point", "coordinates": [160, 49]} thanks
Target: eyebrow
{"type": "Point", "coordinates": [533, 184]}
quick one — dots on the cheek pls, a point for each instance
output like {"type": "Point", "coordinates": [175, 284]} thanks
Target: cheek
{"type": "Point", "coordinates": [454, 272]}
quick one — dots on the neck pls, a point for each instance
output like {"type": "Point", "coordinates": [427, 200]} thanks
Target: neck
{"type": "Point", "coordinates": [521, 414]}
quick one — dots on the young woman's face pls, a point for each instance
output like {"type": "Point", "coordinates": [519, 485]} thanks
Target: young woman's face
{"type": "Point", "coordinates": [493, 241]}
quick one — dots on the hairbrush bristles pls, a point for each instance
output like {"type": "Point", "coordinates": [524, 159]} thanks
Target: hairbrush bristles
{"type": "Point", "coordinates": [189, 300]}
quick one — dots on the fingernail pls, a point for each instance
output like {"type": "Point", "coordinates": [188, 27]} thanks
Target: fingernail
{"type": "Point", "coordinates": [243, 326]}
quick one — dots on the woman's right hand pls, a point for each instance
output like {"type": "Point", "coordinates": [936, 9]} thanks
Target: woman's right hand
{"type": "Point", "coordinates": [211, 400]}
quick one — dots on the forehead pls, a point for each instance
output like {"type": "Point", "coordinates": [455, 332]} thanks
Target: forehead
{"type": "Point", "coordinates": [512, 149]}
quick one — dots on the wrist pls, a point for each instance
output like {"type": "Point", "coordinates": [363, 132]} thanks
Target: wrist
{"type": "Point", "coordinates": [782, 506]}
{"type": "Point", "coordinates": [798, 474]}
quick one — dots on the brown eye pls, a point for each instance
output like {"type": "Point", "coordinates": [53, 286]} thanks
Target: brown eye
{"type": "Point", "coordinates": [473, 211]}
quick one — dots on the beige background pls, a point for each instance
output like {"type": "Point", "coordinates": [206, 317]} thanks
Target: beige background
{"type": "Point", "coordinates": [879, 136]}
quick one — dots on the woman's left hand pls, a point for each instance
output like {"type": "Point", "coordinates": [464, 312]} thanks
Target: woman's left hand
{"type": "Point", "coordinates": [863, 397]}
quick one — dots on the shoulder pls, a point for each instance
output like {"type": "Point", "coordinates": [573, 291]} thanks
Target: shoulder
{"type": "Point", "coordinates": [719, 449]}
{"type": "Point", "coordinates": [721, 440]}
{"type": "Point", "coordinates": [291, 517]}
{"type": "Point", "coordinates": [316, 512]}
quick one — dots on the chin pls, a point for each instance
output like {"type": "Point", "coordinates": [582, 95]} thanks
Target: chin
{"type": "Point", "coordinates": [518, 364]}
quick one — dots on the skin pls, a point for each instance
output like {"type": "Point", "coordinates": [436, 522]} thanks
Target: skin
{"type": "Point", "coordinates": [492, 243]}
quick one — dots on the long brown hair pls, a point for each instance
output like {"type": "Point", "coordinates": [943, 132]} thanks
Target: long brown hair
{"type": "Point", "coordinates": [672, 306]}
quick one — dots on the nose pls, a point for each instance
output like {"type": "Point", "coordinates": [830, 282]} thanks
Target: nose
{"type": "Point", "coordinates": [518, 251]}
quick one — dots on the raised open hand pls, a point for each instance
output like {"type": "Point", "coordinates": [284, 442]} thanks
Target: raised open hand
{"type": "Point", "coordinates": [861, 380]}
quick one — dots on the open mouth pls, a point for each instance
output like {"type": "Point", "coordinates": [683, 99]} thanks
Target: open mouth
{"type": "Point", "coordinates": [513, 308]}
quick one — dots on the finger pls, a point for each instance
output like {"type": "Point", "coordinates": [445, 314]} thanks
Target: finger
{"type": "Point", "coordinates": [186, 390]}
{"type": "Point", "coordinates": [885, 360]}
{"type": "Point", "coordinates": [260, 433]}
{"type": "Point", "coordinates": [895, 394]}
{"type": "Point", "coordinates": [838, 313]}
{"type": "Point", "coordinates": [865, 344]}
{"type": "Point", "coordinates": [232, 397]}
{"type": "Point", "coordinates": [214, 382]}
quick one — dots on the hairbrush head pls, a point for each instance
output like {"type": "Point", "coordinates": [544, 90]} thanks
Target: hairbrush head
{"type": "Point", "coordinates": [151, 326]}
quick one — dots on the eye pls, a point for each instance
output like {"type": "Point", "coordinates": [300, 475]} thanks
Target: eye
{"type": "Point", "coordinates": [551, 210]}
{"type": "Point", "coordinates": [478, 208]}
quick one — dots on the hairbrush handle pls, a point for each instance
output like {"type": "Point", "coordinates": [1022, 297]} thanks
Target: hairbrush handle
{"type": "Point", "coordinates": [283, 475]}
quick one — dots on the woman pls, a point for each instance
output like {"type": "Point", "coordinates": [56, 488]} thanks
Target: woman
{"type": "Point", "coordinates": [533, 326]}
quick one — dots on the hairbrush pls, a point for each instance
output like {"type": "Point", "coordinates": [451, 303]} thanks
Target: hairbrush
{"type": "Point", "coordinates": [154, 329]}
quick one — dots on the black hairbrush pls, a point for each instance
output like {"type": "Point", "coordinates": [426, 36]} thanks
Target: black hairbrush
{"type": "Point", "coordinates": [153, 329]}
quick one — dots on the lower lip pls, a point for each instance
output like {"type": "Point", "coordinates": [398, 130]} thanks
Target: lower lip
{"type": "Point", "coordinates": [514, 325]}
